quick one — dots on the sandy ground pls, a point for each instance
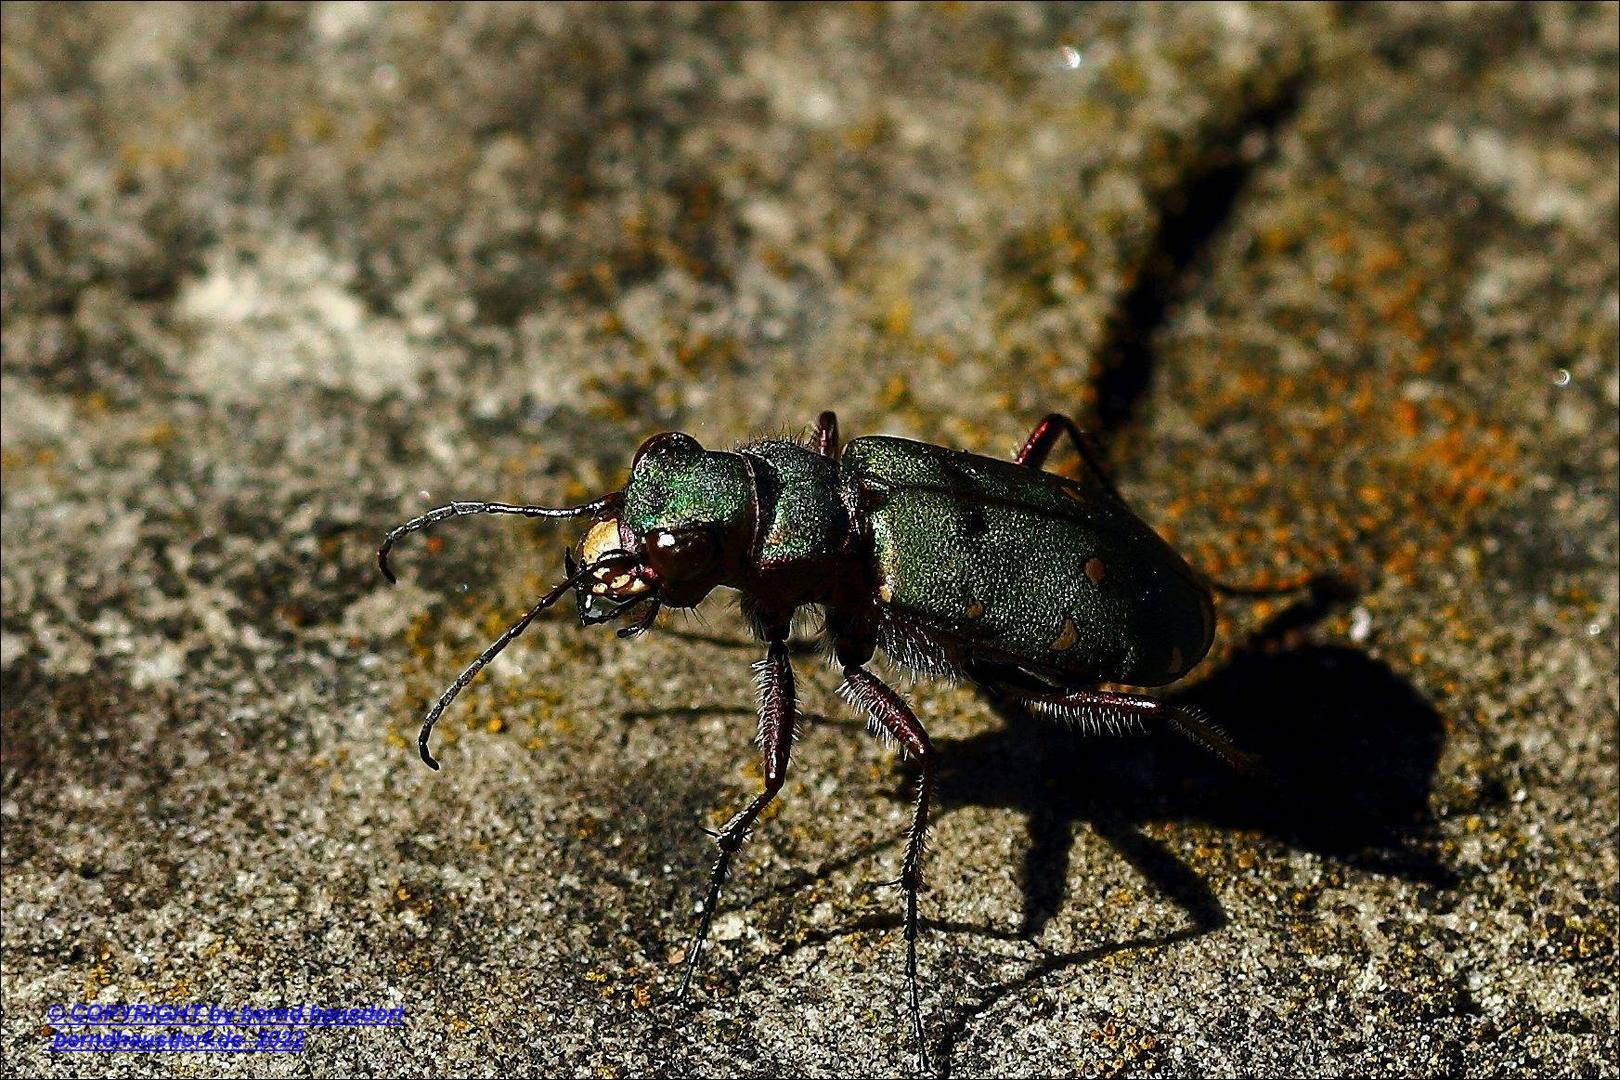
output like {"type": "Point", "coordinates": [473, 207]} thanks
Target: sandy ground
{"type": "Point", "coordinates": [1335, 288]}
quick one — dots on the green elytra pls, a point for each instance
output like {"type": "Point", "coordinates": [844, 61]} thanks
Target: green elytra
{"type": "Point", "coordinates": [969, 562]}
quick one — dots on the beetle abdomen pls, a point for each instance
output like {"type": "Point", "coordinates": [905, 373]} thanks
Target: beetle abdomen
{"type": "Point", "coordinates": [975, 558]}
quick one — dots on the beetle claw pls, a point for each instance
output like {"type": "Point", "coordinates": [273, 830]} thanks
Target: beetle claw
{"type": "Point", "coordinates": [897, 883]}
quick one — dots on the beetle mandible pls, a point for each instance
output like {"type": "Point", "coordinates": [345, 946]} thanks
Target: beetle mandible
{"type": "Point", "coordinates": [1029, 584]}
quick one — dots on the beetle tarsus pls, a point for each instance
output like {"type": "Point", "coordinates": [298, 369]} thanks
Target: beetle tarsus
{"type": "Point", "coordinates": [777, 714]}
{"type": "Point", "coordinates": [1196, 727]}
{"type": "Point", "coordinates": [643, 624]}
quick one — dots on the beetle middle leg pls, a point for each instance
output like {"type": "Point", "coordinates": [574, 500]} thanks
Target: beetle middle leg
{"type": "Point", "coordinates": [1045, 436]}
{"type": "Point", "coordinates": [777, 713]}
{"type": "Point", "coordinates": [889, 710]}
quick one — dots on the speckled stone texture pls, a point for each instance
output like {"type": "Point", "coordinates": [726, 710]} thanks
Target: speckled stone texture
{"type": "Point", "coordinates": [1335, 286]}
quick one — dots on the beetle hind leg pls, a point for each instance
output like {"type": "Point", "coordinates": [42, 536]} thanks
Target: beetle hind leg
{"type": "Point", "coordinates": [1045, 436]}
{"type": "Point", "coordinates": [1106, 709]}
{"type": "Point", "coordinates": [777, 713]}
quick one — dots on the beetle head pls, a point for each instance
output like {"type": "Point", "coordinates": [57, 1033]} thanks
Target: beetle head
{"type": "Point", "coordinates": [688, 516]}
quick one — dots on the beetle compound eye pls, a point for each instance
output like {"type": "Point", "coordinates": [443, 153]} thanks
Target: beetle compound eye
{"type": "Point", "coordinates": [680, 555]}
{"type": "Point", "coordinates": [669, 441]}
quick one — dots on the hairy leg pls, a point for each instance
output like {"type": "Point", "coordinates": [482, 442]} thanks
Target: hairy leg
{"type": "Point", "coordinates": [1113, 710]}
{"type": "Point", "coordinates": [777, 713]}
{"type": "Point", "coordinates": [890, 712]}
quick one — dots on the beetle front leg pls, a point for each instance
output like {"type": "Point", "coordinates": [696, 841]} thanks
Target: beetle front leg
{"type": "Point", "coordinates": [889, 711]}
{"type": "Point", "coordinates": [777, 714]}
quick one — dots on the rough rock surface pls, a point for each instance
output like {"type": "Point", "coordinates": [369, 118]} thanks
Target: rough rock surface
{"type": "Point", "coordinates": [1335, 286]}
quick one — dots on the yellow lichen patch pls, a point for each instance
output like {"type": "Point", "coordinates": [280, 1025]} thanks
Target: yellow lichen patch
{"type": "Point", "coordinates": [1372, 474]}
{"type": "Point", "coordinates": [895, 392]}
{"type": "Point", "coordinates": [161, 433]}
{"type": "Point", "coordinates": [40, 456]}
{"type": "Point", "coordinates": [898, 320]}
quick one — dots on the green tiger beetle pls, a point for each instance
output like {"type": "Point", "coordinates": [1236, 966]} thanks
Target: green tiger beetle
{"type": "Point", "coordinates": [1036, 587]}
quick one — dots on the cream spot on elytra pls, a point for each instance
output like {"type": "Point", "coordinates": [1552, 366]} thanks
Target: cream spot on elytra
{"type": "Point", "coordinates": [1067, 636]}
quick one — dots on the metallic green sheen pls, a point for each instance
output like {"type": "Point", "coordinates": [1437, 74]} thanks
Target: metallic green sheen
{"type": "Point", "coordinates": [684, 485]}
{"type": "Point", "coordinates": [975, 558]}
{"type": "Point", "coordinates": [802, 519]}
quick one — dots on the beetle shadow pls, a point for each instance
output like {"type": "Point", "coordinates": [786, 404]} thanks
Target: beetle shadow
{"type": "Point", "coordinates": [1349, 748]}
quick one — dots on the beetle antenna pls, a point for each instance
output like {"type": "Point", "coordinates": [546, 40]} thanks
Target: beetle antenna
{"type": "Point", "coordinates": [494, 650]}
{"type": "Point", "coordinates": [610, 501]}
